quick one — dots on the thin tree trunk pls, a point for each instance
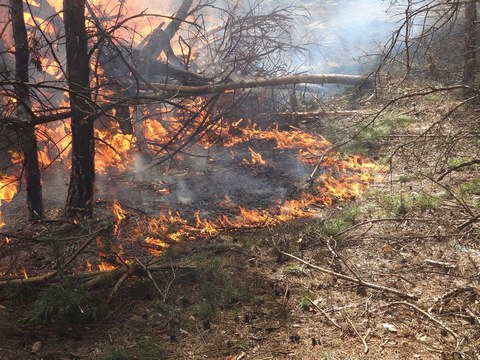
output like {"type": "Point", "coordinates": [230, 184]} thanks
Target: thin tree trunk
{"type": "Point", "coordinates": [470, 44]}
{"type": "Point", "coordinates": [80, 191]}
{"type": "Point", "coordinates": [28, 140]}
{"type": "Point", "coordinates": [178, 18]}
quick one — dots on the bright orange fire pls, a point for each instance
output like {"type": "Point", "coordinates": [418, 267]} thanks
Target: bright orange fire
{"type": "Point", "coordinates": [256, 158]}
{"type": "Point", "coordinates": [8, 189]}
{"type": "Point", "coordinates": [342, 178]}
{"type": "Point", "coordinates": [119, 216]}
{"type": "Point", "coordinates": [23, 271]}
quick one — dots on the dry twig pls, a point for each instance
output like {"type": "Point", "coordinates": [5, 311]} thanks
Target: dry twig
{"type": "Point", "coordinates": [354, 280]}
{"type": "Point", "coordinates": [149, 274]}
{"type": "Point", "coordinates": [333, 322]}
{"type": "Point", "coordinates": [430, 317]}
{"type": "Point", "coordinates": [362, 338]}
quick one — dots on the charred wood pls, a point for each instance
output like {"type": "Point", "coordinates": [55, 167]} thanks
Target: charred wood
{"type": "Point", "coordinates": [159, 40]}
{"type": "Point", "coordinates": [81, 186]}
{"type": "Point", "coordinates": [27, 139]}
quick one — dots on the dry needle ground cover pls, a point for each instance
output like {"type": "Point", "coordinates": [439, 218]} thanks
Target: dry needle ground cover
{"type": "Point", "coordinates": [392, 275]}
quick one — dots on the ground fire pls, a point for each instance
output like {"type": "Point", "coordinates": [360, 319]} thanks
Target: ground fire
{"type": "Point", "coordinates": [207, 166]}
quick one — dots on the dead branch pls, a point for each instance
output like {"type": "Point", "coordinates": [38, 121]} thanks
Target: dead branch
{"type": "Point", "coordinates": [430, 317]}
{"type": "Point", "coordinates": [351, 279]}
{"type": "Point", "coordinates": [92, 278]}
{"type": "Point", "coordinates": [459, 166]}
{"type": "Point", "coordinates": [79, 251]}
{"type": "Point", "coordinates": [469, 222]}
{"type": "Point", "coordinates": [129, 271]}
{"type": "Point", "coordinates": [149, 274]}
{"type": "Point", "coordinates": [363, 339]}
{"type": "Point", "coordinates": [178, 91]}
{"type": "Point", "coordinates": [308, 114]}
{"type": "Point", "coordinates": [333, 322]}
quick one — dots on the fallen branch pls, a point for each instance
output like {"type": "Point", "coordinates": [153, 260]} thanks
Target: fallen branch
{"type": "Point", "coordinates": [333, 322]}
{"type": "Point", "coordinates": [313, 113]}
{"type": "Point", "coordinates": [129, 270]}
{"type": "Point", "coordinates": [91, 278]}
{"type": "Point", "coordinates": [351, 279]}
{"type": "Point", "coordinates": [150, 276]}
{"type": "Point", "coordinates": [469, 222]}
{"type": "Point", "coordinates": [430, 317]}
{"type": "Point", "coordinates": [178, 91]}
{"type": "Point", "coordinates": [79, 250]}
{"type": "Point", "coordinates": [459, 166]}
{"type": "Point", "coordinates": [363, 339]}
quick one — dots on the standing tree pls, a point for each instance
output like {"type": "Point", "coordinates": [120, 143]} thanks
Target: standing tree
{"type": "Point", "coordinates": [470, 44]}
{"type": "Point", "coordinates": [80, 191]}
{"type": "Point", "coordinates": [27, 139]}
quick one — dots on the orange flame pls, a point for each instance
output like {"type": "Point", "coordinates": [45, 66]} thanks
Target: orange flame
{"type": "Point", "coordinates": [23, 271]}
{"type": "Point", "coordinates": [256, 158]}
{"type": "Point", "coordinates": [103, 266]}
{"type": "Point", "coordinates": [119, 216]}
{"type": "Point", "coordinates": [8, 190]}
{"type": "Point", "coordinates": [88, 265]}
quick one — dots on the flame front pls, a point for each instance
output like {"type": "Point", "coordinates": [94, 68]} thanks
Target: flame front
{"type": "Point", "coordinates": [8, 189]}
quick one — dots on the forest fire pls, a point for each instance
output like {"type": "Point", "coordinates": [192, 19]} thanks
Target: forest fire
{"type": "Point", "coordinates": [341, 178]}
{"type": "Point", "coordinates": [270, 175]}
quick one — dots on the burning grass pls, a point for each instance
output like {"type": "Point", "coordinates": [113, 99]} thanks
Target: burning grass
{"type": "Point", "coordinates": [317, 178]}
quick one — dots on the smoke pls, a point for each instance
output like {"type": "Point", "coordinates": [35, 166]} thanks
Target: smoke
{"type": "Point", "coordinates": [337, 35]}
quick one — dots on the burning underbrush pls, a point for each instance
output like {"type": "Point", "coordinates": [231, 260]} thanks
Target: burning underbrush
{"type": "Point", "coordinates": [238, 177]}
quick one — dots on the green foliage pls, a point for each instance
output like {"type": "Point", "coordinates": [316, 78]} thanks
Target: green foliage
{"type": "Point", "coordinates": [398, 204]}
{"type": "Point", "coordinates": [426, 201]}
{"type": "Point", "coordinates": [205, 310]}
{"type": "Point", "coordinates": [243, 345]}
{"type": "Point", "coordinates": [432, 97]}
{"type": "Point", "coordinates": [305, 304]}
{"type": "Point", "coordinates": [56, 246]}
{"type": "Point", "coordinates": [170, 253]}
{"type": "Point", "coordinates": [166, 309]}
{"type": "Point", "coordinates": [395, 204]}
{"type": "Point", "coordinates": [384, 126]}
{"type": "Point", "coordinates": [148, 348]}
{"type": "Point", "coordinates": [406, 178]}
{"type": "Point", "coordinates": [471, 191]}
{"type": "Point", "coordinates": [18, 292]}
{"type": "Point", "coordinates": [67, 301]}
{"type": "Point", "coordinates": [294, 269]}
{"type": "Point", "coordinates": [341, 222]}
{"type": "Point", "coordinates": [119, 355]}
{"type": "Point", "coordinates": [470, 188]}
{"type": "Point", "coordinates": [455, 161]}
{"type": "Point", "coordinates": [217, 289]}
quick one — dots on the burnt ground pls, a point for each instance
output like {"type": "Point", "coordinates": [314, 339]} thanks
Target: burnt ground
{"type": "Point", "coordinates": [236, 296]}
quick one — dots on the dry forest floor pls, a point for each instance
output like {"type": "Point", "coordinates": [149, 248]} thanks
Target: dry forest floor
{"type": "Point", "coordinates": [242, 295]}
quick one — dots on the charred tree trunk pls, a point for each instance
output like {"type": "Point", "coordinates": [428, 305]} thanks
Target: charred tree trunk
{"type": "Point", "coordinates": [80, 191]}
{"type": "Point", "coordinates": [470, 44]}
{"type": "Point", "coordinates": [28, 140]}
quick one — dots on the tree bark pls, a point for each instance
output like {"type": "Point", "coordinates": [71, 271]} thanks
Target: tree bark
{"type": "Point", "coordinates": [80, 191]}
{"type": "Point", "coordinates": [27, 140]}
{"type": "Point", "coordinates": [470, 44]}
